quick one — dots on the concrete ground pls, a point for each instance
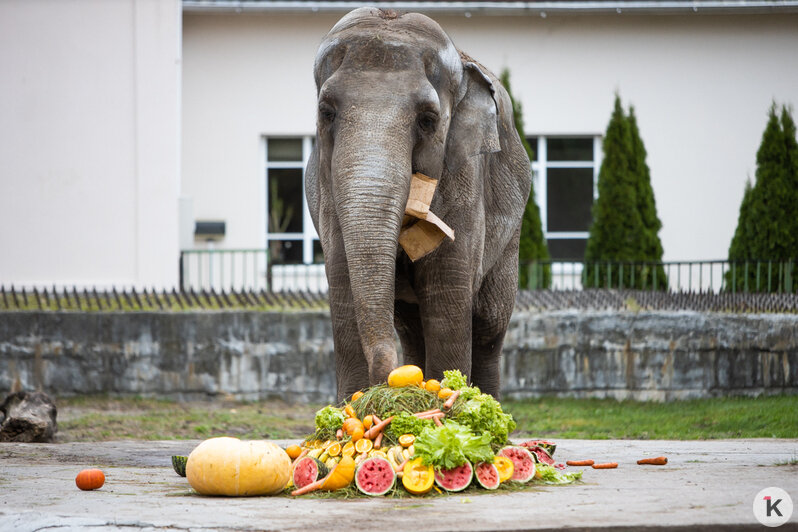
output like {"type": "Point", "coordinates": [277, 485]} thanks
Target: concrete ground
{"type": "Point", "coordinates": [707, 485]}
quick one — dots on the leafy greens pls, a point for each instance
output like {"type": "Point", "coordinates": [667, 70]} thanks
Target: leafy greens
{"type": "Point", "coordinates": [451, 445]}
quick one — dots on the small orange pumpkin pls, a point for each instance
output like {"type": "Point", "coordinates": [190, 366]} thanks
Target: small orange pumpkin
{"type": "Point", "coordinates": [90, 479]}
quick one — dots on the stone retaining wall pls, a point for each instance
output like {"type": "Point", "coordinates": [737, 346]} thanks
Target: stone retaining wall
{"type": "Point", "coordinates": [254, 355]}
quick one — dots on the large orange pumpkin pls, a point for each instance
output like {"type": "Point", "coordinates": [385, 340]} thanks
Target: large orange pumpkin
{"type": "Point", "coordinates": [90, 479]}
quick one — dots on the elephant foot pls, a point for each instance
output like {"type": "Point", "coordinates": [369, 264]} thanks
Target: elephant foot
{"type": "Point", "coordinates": [382, 360]}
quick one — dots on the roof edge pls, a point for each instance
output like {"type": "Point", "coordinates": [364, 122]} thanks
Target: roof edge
{"type": "Point", "coordinates": [541, 9]}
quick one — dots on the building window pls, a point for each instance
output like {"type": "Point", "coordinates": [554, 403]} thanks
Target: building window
{"type": "Point", "coordinates": [290, 235]}
{"type": "Point", "coordinates": [566, 175]}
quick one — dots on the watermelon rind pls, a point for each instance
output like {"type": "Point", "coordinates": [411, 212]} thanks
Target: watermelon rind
{"type": "Point", "coordinates": [487, 475]}
{"type": "Point", "coordinates": [375, 476]}
{"type": "Point", "coordinates": [179, 464]}
{"type": "Point", "coordinates": [308, 470]}
{"type": "Point", "coordinates": [523, 462]}
{"type": "Point", "coordinates": [455, 479]}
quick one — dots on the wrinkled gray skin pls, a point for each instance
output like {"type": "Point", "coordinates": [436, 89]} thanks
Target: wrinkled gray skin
{"type": "Point", "coordinates": [395, 97]}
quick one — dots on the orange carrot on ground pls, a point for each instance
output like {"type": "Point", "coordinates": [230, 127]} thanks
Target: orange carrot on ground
{"type": "Point", "coordinates": [660, 460]}
{"type": "Point", "coordinates": [608, 465]}
{"type": "Point", "coordinates": [579, 462]}
{"type": "Point", "coordinates": [378, 440]}
{"type": "Point", "coordinates": [450, 401]}
{"type": "Point", "coordinates": [376, 429]}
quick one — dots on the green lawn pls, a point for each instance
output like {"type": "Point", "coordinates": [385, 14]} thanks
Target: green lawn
{"type": "Point", "coordinates": [739, 417]}
{"type": "Point", "coordinates": [102, 418]}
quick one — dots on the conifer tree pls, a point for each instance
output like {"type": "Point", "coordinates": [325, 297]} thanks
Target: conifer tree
{"type": "Point", "coordinates": [625, 223]}
{"type": "Point", "coordinates": [532, 247]}
{"type": "Point", "coordinates": [764, 249]}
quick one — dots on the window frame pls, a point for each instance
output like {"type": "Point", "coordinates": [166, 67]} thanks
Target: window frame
{"type": "Point", "coordinates": [540, 167]}
{"type": "Point", "coordinates": [308, 235]}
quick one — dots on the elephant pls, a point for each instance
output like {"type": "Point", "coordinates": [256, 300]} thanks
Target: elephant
{"type": "Point", "coordinates": [396, 98]}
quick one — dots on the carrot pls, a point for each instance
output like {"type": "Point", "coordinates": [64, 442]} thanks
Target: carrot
{"type": "Point", "coordinates": [376, 429]}
{"type": "Point", "coordinates": [429, 416]}
{"type": "Point", "coordinates": [660, 460]}
{"type": "Point", "coordinates": [608, 465]}
{"type": "Point", "coordinates": [437, 420]}
{"type": "Point", "coordinates": [579, 462]}
{"type": "Point", "coordinates": [378, 440]}
{"type": "Point", "coordinates": [450, 401]}
{"type": "Point", "coordinates": [339, 434]}
{"type": "Point", "coordinates": [427, 412]}
{"type": "Point", "coordinates": [375, 420]}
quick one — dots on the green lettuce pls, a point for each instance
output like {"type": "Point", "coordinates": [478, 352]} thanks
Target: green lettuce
{"type": "Point", "coordinates": [404, 423]}
{"type": "Point", "coordinates": [451, 445]}
{"type": "Point", "coordinates": [329, 418]}
{"type": "Point", "coordinates": [550, 475]}
{"type": "Point", "coordinates": [454, 379]}
{"type": "Point", "coordinates": [483, 414]}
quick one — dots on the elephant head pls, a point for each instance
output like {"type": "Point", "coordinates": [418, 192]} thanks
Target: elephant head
{"type": "Point", "coordinates": [395, 97]}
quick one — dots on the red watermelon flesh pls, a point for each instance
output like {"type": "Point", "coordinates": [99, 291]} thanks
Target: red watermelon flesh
{"type": "Point", "coordinates": [308, 470]}
{"type": "Point", "coordinates": [540, 454]}
{"type": "Point", "coordinates": [487, 475]}
{"type": "Point", "coordinates": [523, 463]}
{"type": "Point", "coordinates": [375, 476]}
{"type": "Point", "coordinates": [456, 478]}
{"type": "Point", "coordinates": [549, 446]}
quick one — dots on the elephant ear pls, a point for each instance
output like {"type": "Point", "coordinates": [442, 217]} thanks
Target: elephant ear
{"type": "Point", "coordinates": [474, 126]}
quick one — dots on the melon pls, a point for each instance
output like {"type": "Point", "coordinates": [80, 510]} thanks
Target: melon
{"type": "Point", "coordinates": [487, 475]}
{"type": "Point", "coordinates": [549, 446]}
{"type": "Point", "coordinates": [179, 464]}
{"type": "Point", "coordinates": [308, 470]}
{"type": "Point", "coordinates": [375, 476]}
{"type": "Point", "coordinates": [523, 463]}
{"type": "Point", "coordinates": [540, 454]}
{"type": "Point", "coordinates": [229, 466]}
{"type": "Point", "coordinates": [456, 478]}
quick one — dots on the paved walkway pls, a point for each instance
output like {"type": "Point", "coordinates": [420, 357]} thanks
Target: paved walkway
{"type": "Point", "coordinates": [707, 485]}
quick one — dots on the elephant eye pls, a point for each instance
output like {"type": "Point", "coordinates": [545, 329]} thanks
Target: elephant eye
{"type": "Point", "coordinates": [427, 121]}
{"type": "Point", "coordinates": [326, 112]}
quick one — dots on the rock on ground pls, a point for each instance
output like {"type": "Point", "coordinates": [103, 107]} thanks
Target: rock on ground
{"type": "Point", "coordinates": [28, 417]}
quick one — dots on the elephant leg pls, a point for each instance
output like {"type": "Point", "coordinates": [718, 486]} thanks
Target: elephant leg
{"type": "Point", "coordinates": [493, 309]}
{"type": "Point", "coordinates": [407, 320]}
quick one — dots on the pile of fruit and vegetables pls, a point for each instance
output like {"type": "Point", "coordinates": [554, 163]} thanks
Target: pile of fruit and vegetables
{"type": "Point", "coordinates": [407, 436]}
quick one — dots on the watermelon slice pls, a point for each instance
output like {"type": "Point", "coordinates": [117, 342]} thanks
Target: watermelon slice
{"type": "Point", "coordinates": [308, 470]}
{"type": "Point", "coordinates": [540, 454]}
{"type": "Point", "coordinates": [549, 446]}
{"type": "Point", "coordinates": [456, 478]}
{"type": "Point", "coordinates": [523, 463]}
{"type": "Point", "coordinates": [375, 476]}
{"type": "Point", "coordinates": [179, 464]}
{"type": "Point", "coordinates": [487, 475]}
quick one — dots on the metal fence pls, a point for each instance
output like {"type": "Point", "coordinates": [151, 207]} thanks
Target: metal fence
{"type": "Point", "coordinates": [251, 270]}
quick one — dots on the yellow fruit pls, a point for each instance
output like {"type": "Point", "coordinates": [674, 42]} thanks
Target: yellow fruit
{"type": "Point", "coordinates": [364, 445]}
{"type": "Point", "coordinates": [348, 449]}
{"type": "Point", "coordinates": [229, 466]}
{"type": "Point", "coordinates": [334, 449]}
{"type": "Point", "coordinates": [406, 440]}
{"type": "Point", "coordinates": [293, 451]}
{"type": "Point", "coordinates": [504, 466]}
{"type": "Point", "coordinates": [342, 476]}
{"type": "Point", "coordinates": [408, 375]}
{"type": "Point", "coordinates": [357, 395]}
{"type": "Point", "coordinates": [444, 393]}
{"type": "Point", "coordinates": [368, 421]}
{"type": "Point", "coordinates": [418, 478]}
{"type": "Point", "coordinates": [432, 386]}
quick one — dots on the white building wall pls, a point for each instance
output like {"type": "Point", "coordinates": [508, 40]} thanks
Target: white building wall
{"type": "Point", "coordinates": [701, 86]}
{"type": "Point", "coordinates": [89, 142]}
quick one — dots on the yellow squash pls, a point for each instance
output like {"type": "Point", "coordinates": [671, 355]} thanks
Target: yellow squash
{"type": "Point", "coordinates": [418, 478]}
{"type": "Point", "coordinates": [405, 376]}
{"type": "Point", "coordinates": [342, 475]}
{"type": "Point", "coordinates": [229, 466]}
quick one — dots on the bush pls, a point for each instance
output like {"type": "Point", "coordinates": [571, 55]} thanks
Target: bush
{"type": "Point", "coordinates": [625, 224]}
{"type": "Point", "coordinates": [764, 248]}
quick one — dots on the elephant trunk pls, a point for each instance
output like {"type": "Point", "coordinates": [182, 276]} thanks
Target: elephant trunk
{"type": "Point", "coordinates": [370, 181]}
